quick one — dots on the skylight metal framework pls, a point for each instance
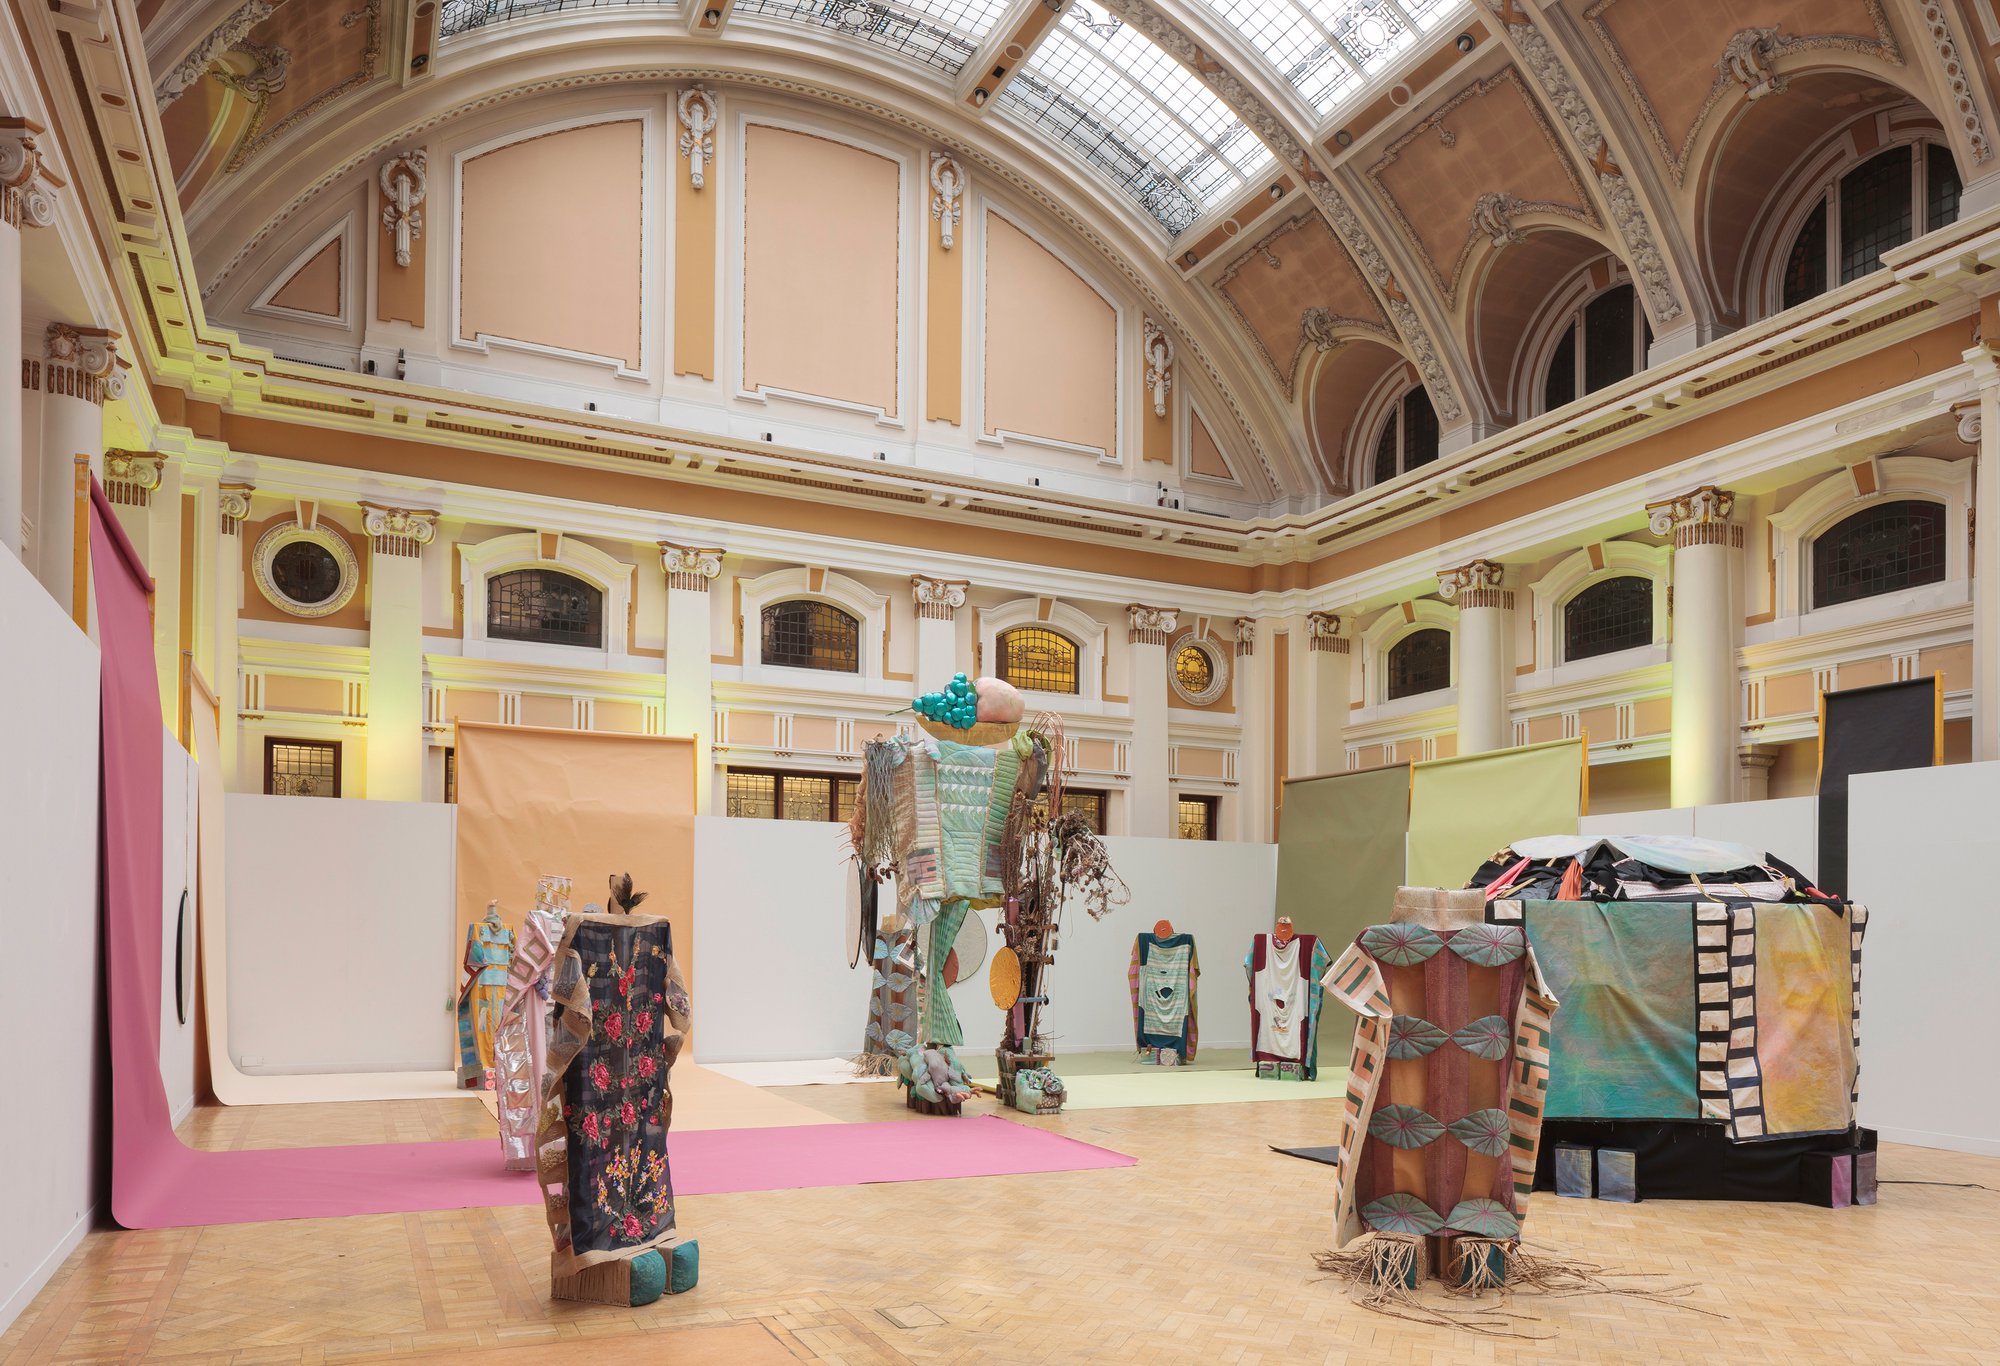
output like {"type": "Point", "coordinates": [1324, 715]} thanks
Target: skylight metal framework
{"type": "Point", "coordinates": [463, 16]}
{"type": "Point", "coordinates": [939, 34]}
{"type": "Point", "coordinates": [1114, 98]}
{"type": "Point", "coordinates": [1329, 50]}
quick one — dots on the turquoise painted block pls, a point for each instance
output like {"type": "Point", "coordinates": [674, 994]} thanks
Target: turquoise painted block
{"type": "Point", "coordinates": [686, 1270]}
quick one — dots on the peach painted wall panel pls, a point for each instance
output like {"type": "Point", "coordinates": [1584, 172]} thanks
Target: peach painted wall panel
{"type": "Point", "coordinates": [627, 718]}
{"type": "Point", "coordinates": [1204, 455]}
{"type": "Point", "coordinates": [314, 286]}
{"type": "Point", "coordinates": [865, 731]}
{"type": "Point", "coordinates": [1051, 345]}
{"type": "Point", "coordinates": [751, 728]}
{"type": "Point", "coordinates": [814, 732]}
{"type": "Point", "coordinates": [1446, 746]}
{"type": "Point", "coordinates": [1544, 728]}
{"type": "Point", "coordinates": [1652, 715]}
{"type": "Point", "coordinates": [1865, 673]}
{"type": "Point", "coordinates": [821, 228]}
{"type": "Point", "coordinates": [465, 704]}
{"type": "Point", "coordinates": [1199, 763]}
{"type": "Point", "coordinates": [550, 234]}
{"type": "Point", "coordinates": [1953, 661]}
{"type": "Point", "coordinates": [1789, 694]}
{"type": "Point", "coordinates": [1100, 755]}
{"type": "Point", "coordinates": [284, 692]}
{"type": "Point", "coordinates": [540, 709]}
{"type": "Point", "coordinates": [1599, 723]}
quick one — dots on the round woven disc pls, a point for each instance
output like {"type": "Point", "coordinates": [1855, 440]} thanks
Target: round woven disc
{"type": "Point", "coordinates": [1004, 977]}
{"type": "Point", "coordinates": [968, 951]}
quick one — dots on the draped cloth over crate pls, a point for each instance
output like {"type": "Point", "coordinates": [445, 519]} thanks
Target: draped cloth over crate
{"type": "Point", "coordinates": [489, 948]}
{"type": "Point", "coordinates": [1285, 995]}
{"type": "Point", "coordinates": [620, 1013]}
{"type": "Point", "coordinates": [1442, 1121]}
{"type": "Point", "coordinates": [520, 1047]}
{"type": "Point", "coordinates": [1162, 981]}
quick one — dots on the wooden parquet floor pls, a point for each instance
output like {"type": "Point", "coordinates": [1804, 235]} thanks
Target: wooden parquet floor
{"type": "Point", "coordinates": [1200, 1254]}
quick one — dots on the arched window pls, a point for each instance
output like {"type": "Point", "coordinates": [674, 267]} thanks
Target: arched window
{"type": "Point", "coordinates": [1608, 616]}
{"type": "Point", "coordinates": [544, 605]}
{"type": "Point", "coordinates": [803, 634]}
{"type": "Point", "coordinates": [1418, 663]}
{"type": "Point", "coordinates": [1036, 658]}
{"type": "Point", "coordinates": [1868, 209]}
{"type": "Point", "coordinates": [1408, 439]}
{"type": "Point", "coordinates": [1884, 548]}
{"type": "Point", "coordinates": [1601, 342]}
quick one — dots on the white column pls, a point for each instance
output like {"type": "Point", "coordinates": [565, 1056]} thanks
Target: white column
{"type": "Point", "coordinates": [937, 602]}
{"type": "Point", "coordinates": [78, 371]}
{"type": "Point", "coordinates": [1327, 687]}
{"type": "Point", "coordinates": [24, 202]}
{"type": "Point", "coordinates": [1483, 643]}
{"type": "Point", "coordinates": [145, 489]}
{"type": "Point", "coordinates": [1983, 428]}
{"type": "Point", "coordinates": [1151, 807]}
{"type": "Point", "coordinates": [232, 505]}
{"type": "Point", "coordinates": [1705, 723]}
{"type": "Point", "coordinates": [395, 747]}
{"type": "Point", "coordinates": [1255, 716]}
{"type": "Point", "coordinates": [690, 705]}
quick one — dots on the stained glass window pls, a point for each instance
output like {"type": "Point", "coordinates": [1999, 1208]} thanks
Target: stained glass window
{"type": "Point", "coordinates": [803, 634]}
{"type": "Point", "coordinates": [301, 768]}
{"type": "Point", "coordinates": [1419, 663]}
{"type": "Point", "coordinates": [763, 794]}
{"type": "Point", "coordinates": [1197, 817]}
{"type": "Point", "coordinates": [1036, 658]}
{"type": "Point", "coordinates": [1883, 548]}
{"type": "Point", "coordinates": [1609, 615]}
{"type": "Point", "coordinates": [544, 605]}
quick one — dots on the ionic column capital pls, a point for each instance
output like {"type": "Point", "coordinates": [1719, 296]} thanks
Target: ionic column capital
{"type": "Point", "coordinates": [398, 531]}
{"type": "Point", "coordinates": [690, 568]}
{"type": "Point", "coordinates": [1699, 517]}
{"type": "Point", "coordinates": [1246, 636]}
{"type": "Point", "coordinates": [937, 599]}
{"type": "Point", "coordinates": [25, 201]}
{"type": "Point", "coordinates": [1151, 625]}
{"type": "Point", "coordinates": [82, 363]}
{"type": "Point", "coordinates": [130, 477]}
{"type": "Point", "coordinates": [1323, 634]}
{"type": "Point", "coordinates": [1477, 584]}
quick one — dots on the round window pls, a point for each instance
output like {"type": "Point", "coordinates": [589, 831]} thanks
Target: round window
{"type": "Point", "coordinates": [307, 572]}
{"type": "Point", "coordinates": [1200, 671]}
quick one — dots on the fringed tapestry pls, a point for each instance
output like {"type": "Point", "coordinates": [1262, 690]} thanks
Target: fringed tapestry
{"type": "Point", "coordinates": [1285, 993]}
{"type": "Point", "coordinates": [489, 947]}
{"type": "Point", "coordinates": [620, 1010]}
{"type": "Point", "coordinates": [1162, 982]}
{"type": "Point", "coordinates": [1443, 1115]}
{"type": "Point", "coordinates": [520, 1047]}
{"type": "Point", "coordinates": [1745, 1013]}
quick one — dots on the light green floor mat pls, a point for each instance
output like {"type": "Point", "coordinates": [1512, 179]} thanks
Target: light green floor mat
{"type": "Point", "coordinates": [1117, 1081]}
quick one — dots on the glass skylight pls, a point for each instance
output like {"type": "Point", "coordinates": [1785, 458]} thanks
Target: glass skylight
{"type": "Point", "coordinates": [940, 34]}
{"type": "Point", "coordinates": [1105, 91]}
{"type": "Point", "coordinates": [463, 16]}
{"type": "Point", "coordinates": [1328, 50]}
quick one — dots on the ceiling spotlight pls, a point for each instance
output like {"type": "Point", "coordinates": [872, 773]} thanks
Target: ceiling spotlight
{"type": "Point", "coordinates": [1188, 258]}
{"type": "Point", "coordinates": [1466, 42]}
{"type": "Point", "coordinates": [711, 17]}
{"type": "Point", "coordinates": [1277, 191]}
{"type": "Point", "coordinates": [979, 96]}
{"type": "Point", "coordinates": [1344, 138]}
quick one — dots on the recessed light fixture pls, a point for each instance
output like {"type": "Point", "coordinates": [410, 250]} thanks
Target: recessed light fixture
{"type": "Point", "coordinates": [1277, 191]}
{"type": "Point", "coordinates": [1344, 138]}
{"type": "Point", "coordinates": [1466, 42]}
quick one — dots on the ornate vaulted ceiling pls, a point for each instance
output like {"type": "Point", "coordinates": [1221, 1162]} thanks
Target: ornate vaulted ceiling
{"type": "Point", "coordinates": [1317, 195]}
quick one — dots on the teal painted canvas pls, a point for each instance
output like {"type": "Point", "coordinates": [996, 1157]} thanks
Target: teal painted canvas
{"type": "Point", "coordinates": [1624, 1040]}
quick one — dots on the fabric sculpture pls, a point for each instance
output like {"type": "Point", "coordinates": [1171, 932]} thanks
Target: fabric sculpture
{"type": "Point", "coordinates": [1162, 981]}
{"type": "Point", "coordinates": [489, 948]}
{"type": "Point", "coordinates": [1443, 1115]}
{"type": "Point", "coordinates": [520, 1046]}
{"type": "Point", "coordinates": [1285, 993]}
{"type": "Point", "coordinates": [1742, 1013]}
{"type": "Point", "coordinates": [620, 1012]}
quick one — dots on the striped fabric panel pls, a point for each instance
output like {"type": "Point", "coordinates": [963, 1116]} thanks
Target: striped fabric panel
{"type": "Point", "coordinates": [1857, 921]}
{"type": "Point", "coordinates": [1528, 1095]}
{"type": "Point", "coordinates": [1711, 994]}
{"type": "Point", "coordinates": [1356, 981]}
{"type": "Point", "coordinates": [1745, 1076]}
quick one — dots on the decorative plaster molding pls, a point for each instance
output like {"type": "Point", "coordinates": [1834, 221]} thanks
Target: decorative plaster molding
{"type": "Point", "coordinates": [320, 534]}
{"type": "Point", "coordinates": [224, 36]}
{"type": "Point", "coordinates": [81, 362]}
{"type": "Point", "coordinates": [25, 200]}
{"type": "Point", "coordinates": [272, 65]}
{"type": "Point", "coordinates": [1151, 625]}
{"type": "Point", "coordinates": [1475, 585]}
{"type": "Point", "coordinates": [1969, 425]}
{"type": "Point", "coordinates": [131, 477]}
{"type": "Point", "coordinates": [1218, 669]}
{"type": "Point", "coordinates": [1323, 634]}
{"type": "Point", "coordinates": [947, 197]}
{"type": "Point", "coordinates": [1246, 635]}
{"type": "Point", "coordinates": [1697, 518]}
{"type": "Point", "coordinates": [405, 179]}
{"type": "Point", "coordinates": [1493, 215]}
{"type": "Point", "coordinates": [255, 139]}
{"type": "Point", "coordinates": [1956, 76]}
{"type": "Point", "coordinates": [1159, 350]}
{"type": "Point", "coordinates": [1746, 59]}
{"type": "Point", "coordinates": [1318, 328]}
{"type": "Point", "coordinates": [1260, 250]}
{"type": "Point", "coordinates": [690, 567]}
{"type": "Point", "coordinates": [232, 504]}
{"type": "Point", "coordinates": [937, 599]}
{"type": "Point", "coordinates": [696, 112]}
{"type": "Point", "coordinates": [398, 531]}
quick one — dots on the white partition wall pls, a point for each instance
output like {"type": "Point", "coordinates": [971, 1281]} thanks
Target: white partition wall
{"type": "Point", "coordinates": [177, 862]}
{"type": "Point", "coordinates": [343, 938]}
{"type": "Point", "coordinates": [49, 974]}
{"type": "Point", "coordinates": [1924, 843]}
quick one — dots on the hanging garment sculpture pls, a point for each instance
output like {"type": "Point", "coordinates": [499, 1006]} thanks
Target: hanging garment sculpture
{"type": "Point", "coordinates": [1285, 971]}
{"type": "Point", "coordinates": [489, 950]}
{"type": "Point", "coordinates": [520, 1046]}
{"type": "Point", "coordinates": [1162, 980]}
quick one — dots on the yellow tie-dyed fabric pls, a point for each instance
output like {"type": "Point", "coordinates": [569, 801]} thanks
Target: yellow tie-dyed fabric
{"type": "Point", "coordinates": [1805, 1041]}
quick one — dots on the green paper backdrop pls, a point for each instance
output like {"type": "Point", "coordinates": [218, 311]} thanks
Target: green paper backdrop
{"type": "Point", "coordinates": [1464, 811]}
